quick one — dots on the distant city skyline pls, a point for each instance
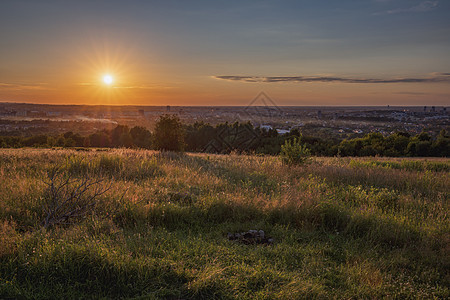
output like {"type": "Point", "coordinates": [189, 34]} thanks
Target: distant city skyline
{"type": "Point", "coordinates": [219, 53]}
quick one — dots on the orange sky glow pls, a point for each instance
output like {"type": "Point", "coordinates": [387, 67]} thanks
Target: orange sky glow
{"type": "Point", "coordinates": [210, 54]}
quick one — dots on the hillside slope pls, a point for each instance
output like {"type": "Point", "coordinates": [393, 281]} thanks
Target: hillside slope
{"type": "Point", "coordinates": [342, 227]}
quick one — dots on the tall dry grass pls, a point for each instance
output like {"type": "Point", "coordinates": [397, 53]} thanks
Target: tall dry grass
{"type": "Point", "coordinates": [343, 227]}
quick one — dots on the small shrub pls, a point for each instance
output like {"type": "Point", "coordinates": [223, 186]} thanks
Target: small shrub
{"type": "Point", "coordinates": [67, 199]}
{"type": "Point", "coordinates": [294, 153]}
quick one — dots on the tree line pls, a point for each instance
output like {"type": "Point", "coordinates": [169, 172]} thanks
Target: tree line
{"type": "Point", "coordinates": [171, 135]}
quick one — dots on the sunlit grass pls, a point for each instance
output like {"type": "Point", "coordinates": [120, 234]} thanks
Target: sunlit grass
{"type": "Point", "coordinates": [343, 227]}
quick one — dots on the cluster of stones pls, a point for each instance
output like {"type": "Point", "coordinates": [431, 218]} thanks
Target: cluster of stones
{"type": "Point", "coordinates": [251, 237]}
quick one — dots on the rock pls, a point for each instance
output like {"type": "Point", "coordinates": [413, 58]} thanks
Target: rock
{"type": "Point", "coordinates": [255, 237]}
{"type": "Point", "coordinates": [248, 235]}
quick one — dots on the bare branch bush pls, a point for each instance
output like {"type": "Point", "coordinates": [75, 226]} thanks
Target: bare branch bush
{"type": "Point", "coordinates": [68, 198]}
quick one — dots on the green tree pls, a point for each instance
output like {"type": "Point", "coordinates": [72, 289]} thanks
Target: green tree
{"type": "Point", "coordinates": [169, 134]}
{"type": "Point", "coordinates": [441, 147]}
{"type": "Point", "coordinates": [198, 135]}
{"type": "Point", "coordinates": [120, 137]}
{"type": "Point", "coordinates": [69, 142]}
{"type": "Point", "coordinates": [141, 137]}
{"type": "Point", "coordinates": [99, 139]}
{"type": "Point", "coordinates": [420, 145]}
{"type": "Point", "coordinates": [396, 144]}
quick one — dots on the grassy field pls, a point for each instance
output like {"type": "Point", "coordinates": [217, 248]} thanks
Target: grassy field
{"type": "Point", "coordinates": [342, 227]}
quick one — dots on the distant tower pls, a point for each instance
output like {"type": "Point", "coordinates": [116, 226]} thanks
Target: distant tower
{"type": "Point", "coordinates": [388, 105]}
{"type": "Point", "coordinates": [319, 114]}
{"type": "Point", "coordinates": [424, 108]}
{"type": "Point", "coordinates": [168, 108]}
{"type": "Point", "coordinates": [433, 109]}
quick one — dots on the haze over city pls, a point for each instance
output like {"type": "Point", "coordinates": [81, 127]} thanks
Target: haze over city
{"type": "Point", "coordinates": [370, 52]}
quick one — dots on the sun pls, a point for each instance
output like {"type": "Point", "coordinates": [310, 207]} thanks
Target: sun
{"type": "Point", "coordinates": [108, 79]}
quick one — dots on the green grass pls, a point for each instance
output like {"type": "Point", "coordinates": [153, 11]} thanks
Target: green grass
{"type": "Point", "coordinates": [343, 227]}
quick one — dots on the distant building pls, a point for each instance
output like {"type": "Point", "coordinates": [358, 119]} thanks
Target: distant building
{"type": "Point", "coordinates": [283, 131]}
{"type": "Point", "coordinates": [8, 113]}
{"type": "Point", "coordinates": [319, 114]}
{"type": "Point", "coordinates": [53, 114]}
{"type": "Point", "coordinates": [424, 108]}
{"type": "Point", "coordinates": [35, 113]}
{"type": "Point", "coordinates": [266, 127]}
{"type": "Point", "coordinates": [168, 108]}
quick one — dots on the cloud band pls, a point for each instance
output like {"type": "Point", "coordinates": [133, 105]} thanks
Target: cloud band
{"type": "Point", "coordinates": [436, 78]}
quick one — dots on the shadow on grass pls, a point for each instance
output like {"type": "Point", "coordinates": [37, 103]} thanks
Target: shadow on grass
{"type": "Point", "coordinates": [76, 272]}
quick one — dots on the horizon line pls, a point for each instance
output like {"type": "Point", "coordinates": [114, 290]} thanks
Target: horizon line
{"type": "Point", "coordinates": [305, 105]}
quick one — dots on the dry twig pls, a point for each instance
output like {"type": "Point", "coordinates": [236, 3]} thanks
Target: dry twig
{"type": "Point", "coordinates": [69, 198]}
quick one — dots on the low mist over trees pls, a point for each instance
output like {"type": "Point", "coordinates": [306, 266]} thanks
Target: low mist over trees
{"type": "Point", "coordinates": [171, 135]}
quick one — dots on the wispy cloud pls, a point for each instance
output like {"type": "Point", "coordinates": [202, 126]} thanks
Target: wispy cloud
{"type": "Point", "coordinates": [22, 86]}
{"type": "Point", "coordinates": [434, 78]}
{"type": "Point", "coordinates": [412, 93]}
{"type": "Point", "coordinates": [422, 94]}
{"type": "Point", "coordinates": [421, 7]}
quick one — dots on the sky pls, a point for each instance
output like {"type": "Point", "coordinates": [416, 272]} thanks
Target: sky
{"type": "Point", "coordinates": [322, 52]}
